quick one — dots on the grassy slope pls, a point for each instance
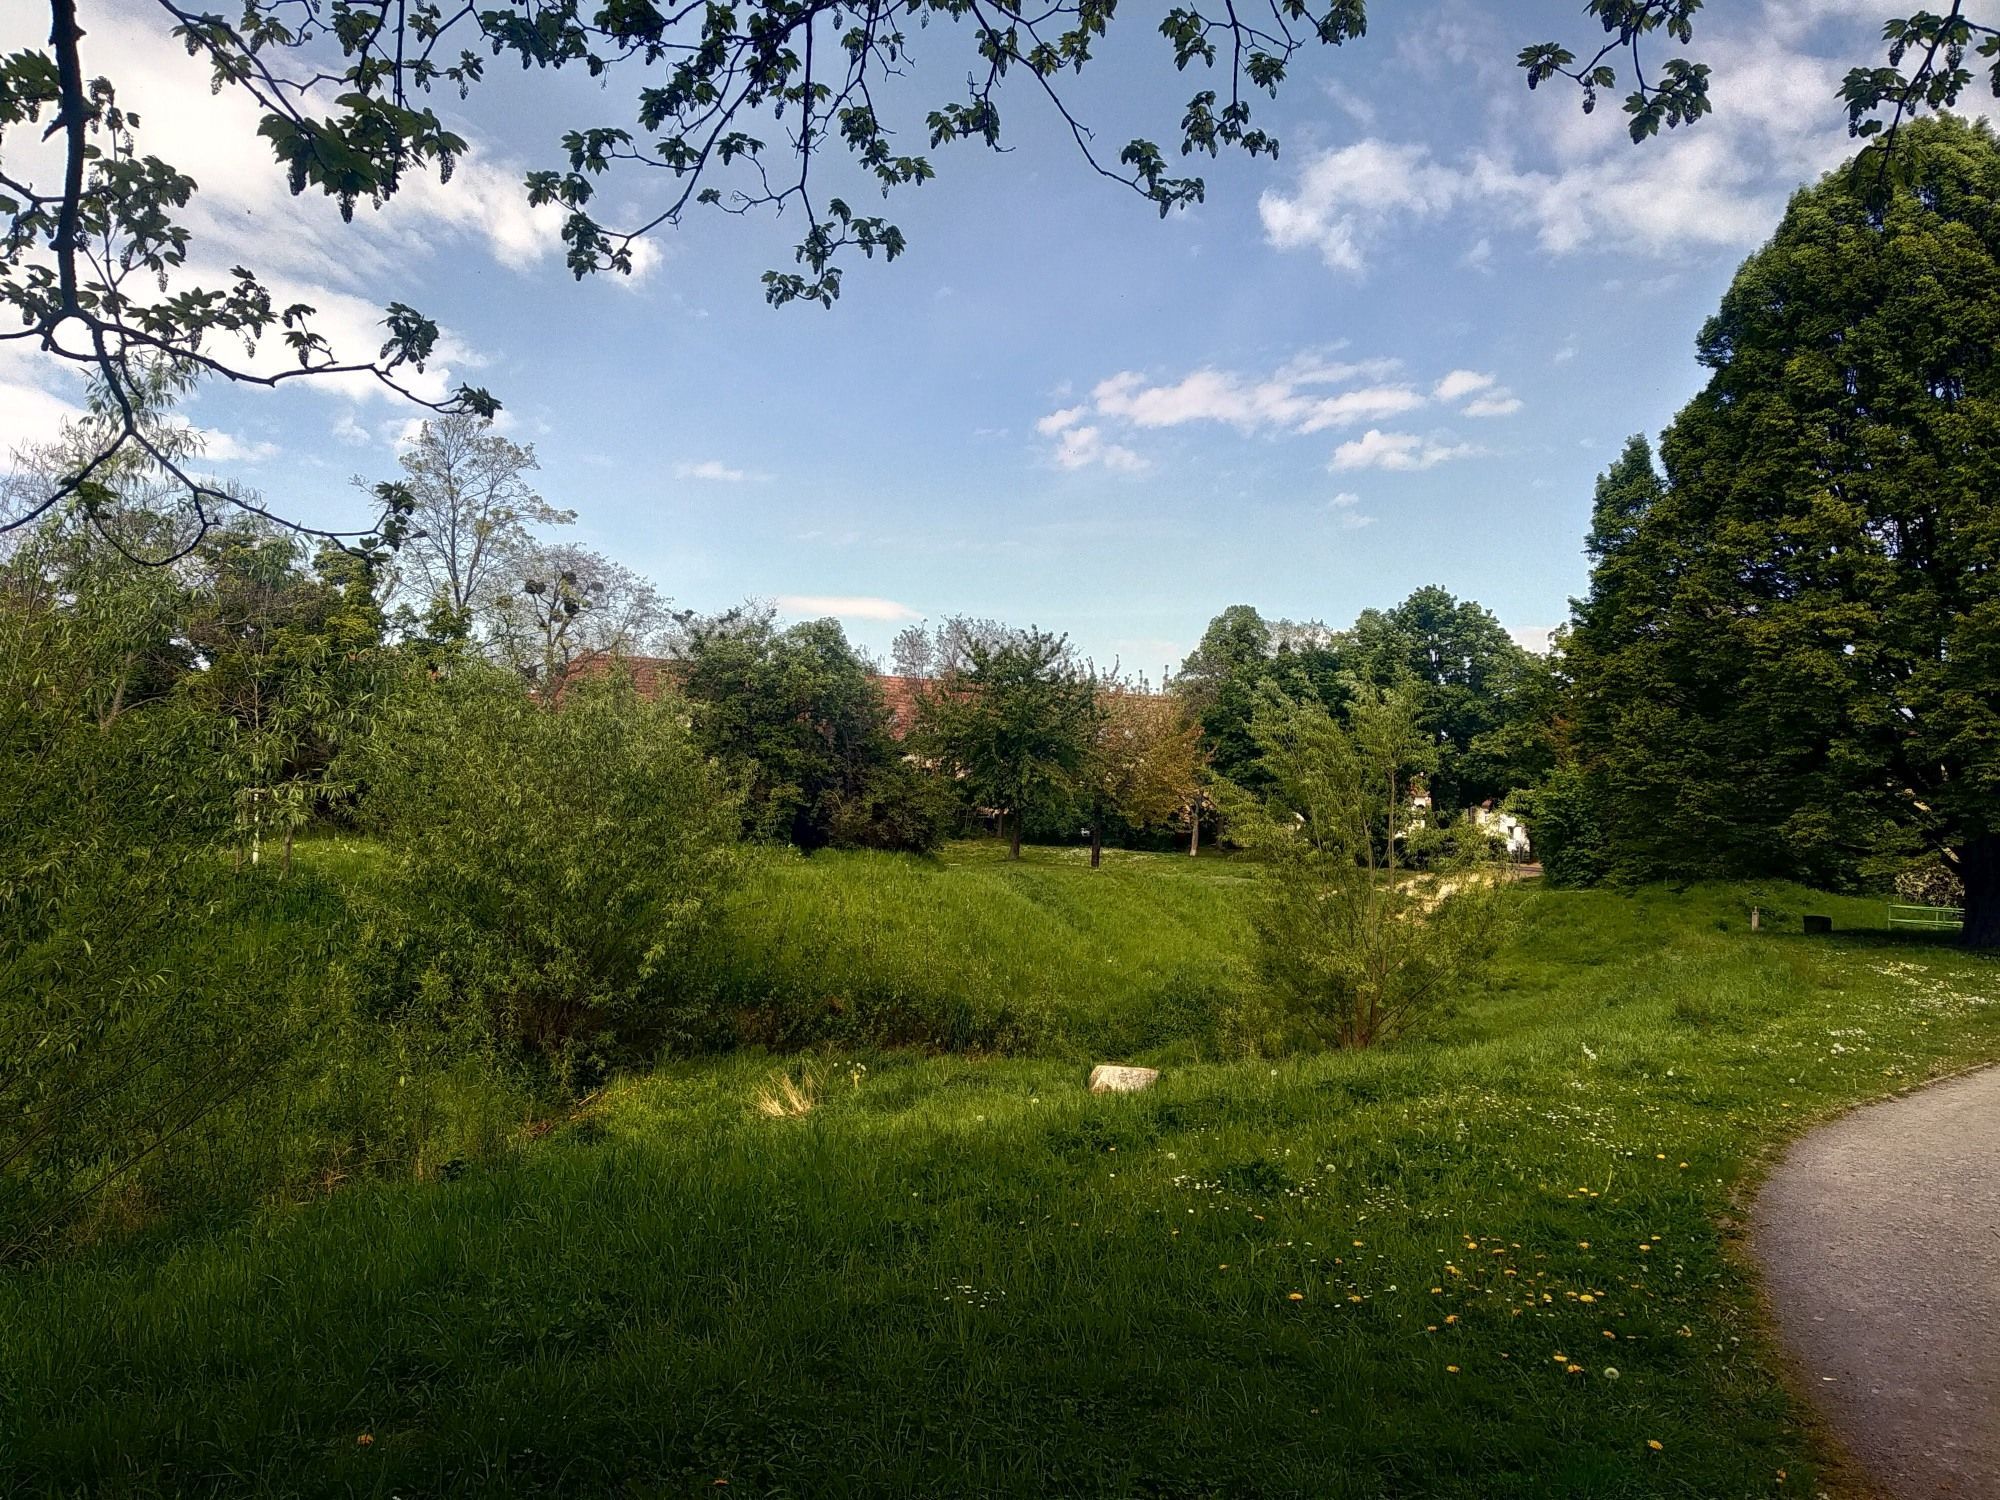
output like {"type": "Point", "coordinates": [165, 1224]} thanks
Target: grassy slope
{"type": "Point", "coordinates": [964, 1277]}
{"type": "Point", "coordinates": [979, 952]}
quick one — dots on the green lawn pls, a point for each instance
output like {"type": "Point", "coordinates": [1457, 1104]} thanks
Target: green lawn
{"type": "Point", "coordinates": [1411, 1272]}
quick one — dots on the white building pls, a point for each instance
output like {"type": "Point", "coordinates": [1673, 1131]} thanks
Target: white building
{"type": "Point", "coordinates": [1502, 825]}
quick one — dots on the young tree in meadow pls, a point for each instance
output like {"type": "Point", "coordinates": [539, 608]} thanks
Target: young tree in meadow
{"type": "Point", "coordinates": [552, 860]}
{"type": "Point", "coordinates": [1146, 762]}
{"type": "Point", "coordinates": [1805, 678]}
{"type": "Point", "coordinates": [1357, 946]}
{"type": "Point", "coordinates": [472, 514]}
{"type": "Point", "coordinates": [1014, 726]}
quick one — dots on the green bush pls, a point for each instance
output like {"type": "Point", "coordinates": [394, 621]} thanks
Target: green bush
{"type": "Point", "coordinates": [552, 862]}
{"type": "Point", "coordinates": [1565, 813]}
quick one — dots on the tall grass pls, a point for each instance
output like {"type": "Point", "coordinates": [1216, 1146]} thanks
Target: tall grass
{"type": "Point", "coordinates": [1405, 1272]}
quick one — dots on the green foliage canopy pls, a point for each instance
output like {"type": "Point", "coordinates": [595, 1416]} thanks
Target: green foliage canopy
{"type": "Point", "coordinates": [1790, 659]}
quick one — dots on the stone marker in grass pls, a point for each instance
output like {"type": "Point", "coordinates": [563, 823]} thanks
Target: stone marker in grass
{"type": "Point", "coordinates": [1111, 1078]}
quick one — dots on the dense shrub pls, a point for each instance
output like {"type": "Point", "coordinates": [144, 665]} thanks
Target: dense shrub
{"type": "Point", "coordinates": [1566, 815]}
{"type": "Point", "coordinates": [552, 861]}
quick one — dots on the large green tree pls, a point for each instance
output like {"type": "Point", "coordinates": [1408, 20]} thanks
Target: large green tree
{"type": "Point", "coordinates": [1796, 649]}
{"type": "Point", "coordinates": [797, 717]}
{"type": "Point", "coordinates": [1477, 693]}
{"type": "Point", "coordinates": [1014, 727]}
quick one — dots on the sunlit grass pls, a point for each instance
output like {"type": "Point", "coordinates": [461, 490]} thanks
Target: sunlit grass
{"type": "Point", "coordinates": [1404, 1272]}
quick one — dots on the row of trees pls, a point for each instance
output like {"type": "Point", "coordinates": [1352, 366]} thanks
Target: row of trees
{"type": "Point", "coordinates": [1788, 662]}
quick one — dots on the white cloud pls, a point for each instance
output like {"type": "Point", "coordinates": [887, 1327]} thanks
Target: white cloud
{"type": "Point", "coordinates": [1304, 395]}
{"type": "Point", "coordinates": [1354, 522]}
{"type": "Point", "coordinates": [245, 213]}
{"type": "Point", "coordinates": [1535, 638]}
{"type": "Point", "coordinates": [227, 448]}
{"type": "Point", "coordinates": [31, 412]}
{"type": "Point", "coordinates": [715, 471]}
{"type": "Point", "coordinates": [1290, 399]}
{"type": "Point", "coordinates": [1345, 500]}
{"type": "Point", "coordinates": [1402, 451]}
{"type": "Point", "coordinates": [1462, 383]}
{"type": "Point", "coordinates": [1345, 198]}
{"type": "Point", "coordinates": [1359, 109]}
{"type": "Point", "coordinates": [1576, 182]}
{"type": "Point", "coordinates": [1082, 447]}
{"type": "Point", "coordinates": [845, 607]}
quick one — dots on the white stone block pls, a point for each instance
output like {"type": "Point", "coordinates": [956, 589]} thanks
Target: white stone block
{"type": "Point", "coordinates": [1111, 1078]}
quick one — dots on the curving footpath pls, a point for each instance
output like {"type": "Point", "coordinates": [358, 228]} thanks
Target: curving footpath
{"type": "Point", "coordinates": [1879, 1236]}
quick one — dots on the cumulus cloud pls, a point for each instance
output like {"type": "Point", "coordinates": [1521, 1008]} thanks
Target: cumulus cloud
{"type": "Point", "coordinates": [1086, 447]}
{"type": "Point", "coordinates": [1462, 383]}
{"type": "Point", "coordinates": [1399, 451]}
{"type": "Point", "coordinates": [1308, 393]}
{"type": "Point", "coordinates": [845, 607]}
{"type": "Point", "coordinates": [1576, 183]}
{"type": "Point", "coordinates": [715, 471]}
{"type": "Point", "coordinates": [228, 448]}
{"type": "Point", "coordinates": [245, 213]}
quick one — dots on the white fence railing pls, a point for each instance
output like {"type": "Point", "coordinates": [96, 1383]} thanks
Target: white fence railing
{"type": "Point", "coordinates": [1926, 918]}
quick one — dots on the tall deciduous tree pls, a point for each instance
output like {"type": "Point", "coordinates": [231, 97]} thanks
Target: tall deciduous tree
{"type": "Point", "coordinates": [566, 605]}
{"type": "Point", "coordinates": [1475, 691]}
{"type": "Point", "coordinates": [1015, 726]}
{"type": "Point", "coordinates": [1809, 679]}
{"type": "Point", "coordinates": [472, 515]}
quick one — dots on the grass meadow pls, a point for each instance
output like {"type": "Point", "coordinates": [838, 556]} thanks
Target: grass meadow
{"type": "Point", "coordinates": [1493, 1260]}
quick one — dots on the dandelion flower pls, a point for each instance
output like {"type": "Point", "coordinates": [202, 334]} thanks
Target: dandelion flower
{"type": "Point", "coordinates": [1655, 1444]}
{"type": "Point", "coordinates": [1451, 1369]}
{"type": "Point", "coordinates": [1297, 1297]}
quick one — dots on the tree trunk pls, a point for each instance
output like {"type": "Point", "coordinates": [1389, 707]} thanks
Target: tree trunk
{"type": "Point", "coordinates": [1096, 844]}
{"type": "Point", "coordinates": [1979, 868]}
{"type": "Point", "coordinates": [1014, 836]}
{"type": "Point", "coordinates": [1194, 830]}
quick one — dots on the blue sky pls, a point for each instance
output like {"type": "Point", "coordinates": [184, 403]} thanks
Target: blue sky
{"type": "Point", "coordinates": [1396, 356]}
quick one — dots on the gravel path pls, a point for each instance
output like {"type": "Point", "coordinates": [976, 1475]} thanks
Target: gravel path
{"type": "Point", "coordinates": [1879, 1236]}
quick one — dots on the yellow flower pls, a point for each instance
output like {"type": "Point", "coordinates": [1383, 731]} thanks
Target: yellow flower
{"type": "Point", "coordinates": [1655, 1444]}
{"type": "Point", "coordinates": [1451, 1369]}
{"type": "Point", "coordinates": [1297, 1296]}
